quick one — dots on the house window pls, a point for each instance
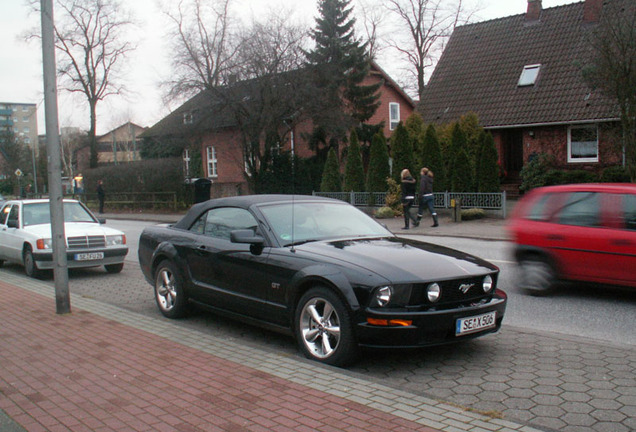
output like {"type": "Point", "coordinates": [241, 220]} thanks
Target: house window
{"type": "Point", "coordinates": [187, 118]}
{"type": "Point", "coordinates": [583, 144]}
{"type": "Point", "coordinates": [394, 115]}
{"type": "Point", "coordinates": [529, 75]}
{"type": "Point", "coordinates": [212, 162]}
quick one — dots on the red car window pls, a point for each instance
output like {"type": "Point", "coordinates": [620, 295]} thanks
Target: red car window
{"type": "Point", "coordinates": [581, 209]}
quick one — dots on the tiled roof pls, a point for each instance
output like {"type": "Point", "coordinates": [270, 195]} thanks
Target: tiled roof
{"type": "Point", "coordinates": [481, 65]}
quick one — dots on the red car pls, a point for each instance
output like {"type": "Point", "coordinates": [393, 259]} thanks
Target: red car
{"type": "Point", "coordinates": [577, 232]}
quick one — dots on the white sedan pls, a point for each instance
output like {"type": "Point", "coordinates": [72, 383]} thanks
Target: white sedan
{"type": "Point", "coordinates": [25, 237]}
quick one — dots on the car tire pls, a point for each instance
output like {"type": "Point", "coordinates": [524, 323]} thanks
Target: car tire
{"type": "Point", "coordinates": [323, 328]}
{"type": "Point", "coordinates": [537, 276]}
{"type": "Point", "coordinates": [114, 268]}
{"type": "Point", "coordinates": [30, 267]}
{"type": "Point", "coordinates": [169, 292]}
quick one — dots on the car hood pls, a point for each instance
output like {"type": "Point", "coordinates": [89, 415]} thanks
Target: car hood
{"type": "Point", "coordinates": [401, 260]}
{"type": "Point", "coordinates": [72, 229]}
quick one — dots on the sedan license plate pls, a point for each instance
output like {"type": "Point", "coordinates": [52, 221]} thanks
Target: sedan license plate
{"type": "Point", "coordinates": [475, 324]}
{"type": "Point", "coordinates": [89, 256]}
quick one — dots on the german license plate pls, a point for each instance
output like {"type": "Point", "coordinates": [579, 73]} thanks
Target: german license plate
{"type": "Point", "coordinates": [89, 256]}
{"type": "Point", "coordinates": [475, 324]}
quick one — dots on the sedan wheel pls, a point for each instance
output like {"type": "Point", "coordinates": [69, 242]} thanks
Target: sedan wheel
{"type": "Point", "coordinates": [323, 328]}
{"type": "Point", "coordinates": [537, 276]}
{"type": "Point", "coordinates": [169, 291]}
{"type": "Point", "coordinates": [30, 267]}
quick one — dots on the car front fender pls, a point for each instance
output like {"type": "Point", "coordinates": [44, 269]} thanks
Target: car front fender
{"type": "Point", "coordinates": [323, 274]}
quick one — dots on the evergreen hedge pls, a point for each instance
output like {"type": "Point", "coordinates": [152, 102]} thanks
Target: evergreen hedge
{"type": "Point", "coordinates": [354, 171]}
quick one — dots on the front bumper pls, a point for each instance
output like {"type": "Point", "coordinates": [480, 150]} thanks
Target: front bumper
{"type": "Point", "coordinates": [44, 261]}
{"type": "Point", "coordinates": [434, 327]}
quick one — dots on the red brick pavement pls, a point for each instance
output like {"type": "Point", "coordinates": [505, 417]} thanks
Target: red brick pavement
{"type": "Point", "coordinates": [81, 372]}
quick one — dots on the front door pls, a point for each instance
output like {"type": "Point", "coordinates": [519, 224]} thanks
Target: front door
{"type": "Point", "coordinates": [512, 157]}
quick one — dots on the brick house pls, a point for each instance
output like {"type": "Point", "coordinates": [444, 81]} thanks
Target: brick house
{"type": "Point", "coordinates": [203, 120]}
{"type": "Point", "coordinates": [522, 76]}
{"type": "Point", "coordinates": [119, 145]}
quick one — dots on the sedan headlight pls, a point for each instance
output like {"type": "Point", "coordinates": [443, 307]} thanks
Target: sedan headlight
{"type": "Point", "coordinates": [44, 244]}
{"type": "Point", "coordinates": [115, 240]}
{"type": "Point", "coordinates": [433, 292]}
{"type": "Point", "coordinates": [487, 284]}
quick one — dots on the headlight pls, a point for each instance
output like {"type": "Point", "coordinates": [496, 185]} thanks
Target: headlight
{"type": "Point", "coordinates": [115, 240]}
{"type": "Point", "coordinates": [433, 292]}
{"type": "Point", "coordinates": [382, 295]}
{"type": "Point", "coordinates": [487, 284]}
{"type": "Point", "coordinates": [46, 243]}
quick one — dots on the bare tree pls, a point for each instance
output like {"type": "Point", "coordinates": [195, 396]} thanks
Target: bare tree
{"type": "Point", "coordinates": [372, 22]}
{"type": "Point", "coordinates": [201, 48]}
{"type": "Point", "coordinates": [425, 26]}
{"type": "Point", "coordinates": [90, 34]}
{"type": "Point", "coordinates": [612, 69]}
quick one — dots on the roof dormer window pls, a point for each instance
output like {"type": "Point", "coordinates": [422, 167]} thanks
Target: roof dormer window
{"type": "Point", "coordinates": [187, 117]}
{"type": "Point", "coordinates": [529, 75]}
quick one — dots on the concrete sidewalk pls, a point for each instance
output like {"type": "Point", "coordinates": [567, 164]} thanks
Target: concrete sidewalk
{"type": "Point", "coordinates": [102, 368]}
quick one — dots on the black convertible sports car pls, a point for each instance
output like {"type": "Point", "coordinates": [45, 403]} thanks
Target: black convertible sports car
{"type": "Point", "coordinates": [322, 270]}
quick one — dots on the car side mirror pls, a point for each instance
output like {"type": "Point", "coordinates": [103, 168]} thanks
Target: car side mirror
{"type": "Point", "coordinates": [101, 221]}
{"type": "Point", "coordinates": [246, 236]}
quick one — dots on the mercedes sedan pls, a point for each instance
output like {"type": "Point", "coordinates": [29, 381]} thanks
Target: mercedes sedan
{"type": "Point", "coordinates": [25, 237]}
{"type": "Point", "coordinates": [321, 270]}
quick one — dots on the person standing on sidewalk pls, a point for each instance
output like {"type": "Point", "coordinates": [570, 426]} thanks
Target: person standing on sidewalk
{"type": "Point", "coordinates": [426, 196]}
{"type": "Point", "coordinates": [408, 197]}
{"type": "Point", "coordinates": [101, 195]}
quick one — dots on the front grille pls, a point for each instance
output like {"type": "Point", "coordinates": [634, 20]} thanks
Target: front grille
{"type": "Point", "coordinates": [86, 242]}
{"type": "Point", "coordinates": [451, 292]}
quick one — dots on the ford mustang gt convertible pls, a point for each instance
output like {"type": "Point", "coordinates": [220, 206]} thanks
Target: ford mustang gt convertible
{"type": "Point", "coordinates": [321, 270]}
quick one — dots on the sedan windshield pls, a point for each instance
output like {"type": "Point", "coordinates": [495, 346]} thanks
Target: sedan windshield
{"type": "Point", "coordinates": [295, 223]}
{"type": "Point", "coordinates": [39, 213]}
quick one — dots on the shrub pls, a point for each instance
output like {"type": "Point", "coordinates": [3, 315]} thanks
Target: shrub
{"type": "Point", "coordinates": [579, 176]}
{"type": "Point", "coordinates": [534, 173]}
{"type": "Point", "coordinates": [354, 171]}
{"type": "Point", "coordinates": [615, 174]}
{"type": "Point", "coordinates": [331, 174]}
{"type": "Point", "coordinates": [487, 171]}
{"type": "Point", "coordinates": [384, 213]}
{"type": "Point", "coordinates": [473, 213]}
{"type": "Point", "coordinates": [394, 196]}
{"type": "Point", "coordinates": [379, 169]}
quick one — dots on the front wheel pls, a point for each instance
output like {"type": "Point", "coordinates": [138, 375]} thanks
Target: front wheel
{"type": "Point", "coordinates": [169, 292]}
{"type": "Point", "coordinates": [537, 277]}
{"type": "Point", "coordinates": [30, 267]}
{"type": "Point", "coordinates": [323, 328]}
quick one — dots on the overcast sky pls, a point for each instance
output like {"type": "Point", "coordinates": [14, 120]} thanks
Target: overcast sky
{"type": "Point", "coordinates": [21, 62]}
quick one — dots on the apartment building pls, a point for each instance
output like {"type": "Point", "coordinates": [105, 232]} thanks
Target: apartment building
{"type": "Point", "coordinates": [22, 119]}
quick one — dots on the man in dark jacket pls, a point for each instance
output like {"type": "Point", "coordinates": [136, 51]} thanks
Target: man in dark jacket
{"type": "Point", "coordinates": [426, 196]}
{"type": "Point", "coordinates": [101, 195]}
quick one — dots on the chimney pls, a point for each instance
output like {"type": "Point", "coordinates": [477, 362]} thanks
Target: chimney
{"type": "Point", "coordinates": [534, 10]}
{"type": "Point", "coordinates": [592, 11]}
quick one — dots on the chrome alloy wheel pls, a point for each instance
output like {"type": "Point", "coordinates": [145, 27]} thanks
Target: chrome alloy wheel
{"type": "Point", "coordinates": [165, 289]}
{"type": "Point", "coordinates": [320, 327]}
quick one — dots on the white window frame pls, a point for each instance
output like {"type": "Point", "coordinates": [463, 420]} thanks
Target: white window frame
{"type": "Point", "coordinates": [572, 159]}
{"type": "Point", "coordinates": [393, 122]}
{"type": "Point", "coordinates": [212, 161]}
{"type": "Point", "coordinates": [529, 75]}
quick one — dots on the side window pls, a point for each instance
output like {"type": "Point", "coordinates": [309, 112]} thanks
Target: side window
{"type": "Point", "coordinates": [544, 208]}
{"type": "Point", "coordinates": [581, 209]}
{"type": "Point", "coordinates": [13, 215]}
{"type": "Point", "coordinates": [220, 222]}
{"type": "Point", "coordinates": [629, 206]}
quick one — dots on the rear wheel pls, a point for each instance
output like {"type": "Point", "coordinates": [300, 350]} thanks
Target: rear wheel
{"type": "Point", "coordinates": [30, 267]}
{"type": "Point", "coordinates": [537, 276]}
{"type": "Point", "coordinates": [323, 328]}
{"type": "Point", "coordinates": [169, 292]}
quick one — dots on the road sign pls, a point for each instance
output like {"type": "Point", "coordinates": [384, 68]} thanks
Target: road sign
{"type": "Point", "coordinates": [19, 172]}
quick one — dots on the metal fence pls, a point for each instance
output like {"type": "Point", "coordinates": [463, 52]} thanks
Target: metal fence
{"type": "Point", "coordinates": [483, 200]}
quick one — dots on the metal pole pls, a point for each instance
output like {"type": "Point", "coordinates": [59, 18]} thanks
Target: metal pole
{"type": "Point", "coordinates": [54, 166]}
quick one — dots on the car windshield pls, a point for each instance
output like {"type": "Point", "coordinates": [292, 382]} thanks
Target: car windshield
{"type": "Point", "coordinates": [39, 213]}
{"type": "Point", "coordinates": [295, 223]}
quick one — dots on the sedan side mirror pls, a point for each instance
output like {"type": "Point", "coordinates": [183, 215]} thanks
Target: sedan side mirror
{"type": "Point", "coordinates": [246, 236]}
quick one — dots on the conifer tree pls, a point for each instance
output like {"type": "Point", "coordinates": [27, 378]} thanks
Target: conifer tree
{"type": "Point", "coordinates": [432, 159]}
{"type": "Point", "coordinates": [488, 167]}
{"type": "Point", "coordinates": [331, 174]}
{"type": "Point", "coordinates": [462, 173]}
{"type": "Point", "coordinates": [354, 171]}
{"type": "Point", "coordinates": [402, 152]}
{"type": "Point", "coordinates": [339, 63]}
{"type": "Point", "coordinates": [379, 169]}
